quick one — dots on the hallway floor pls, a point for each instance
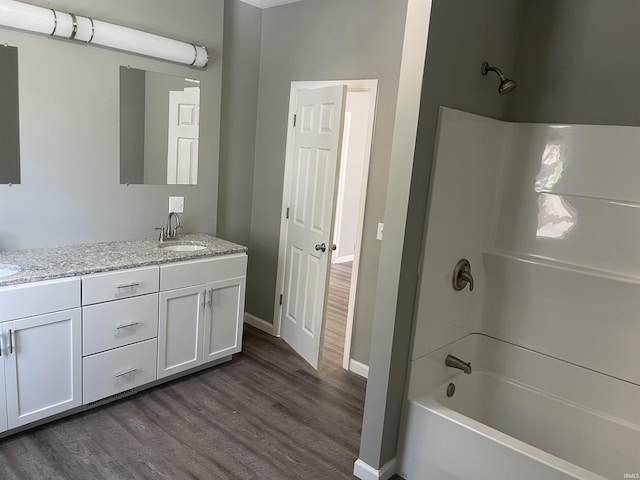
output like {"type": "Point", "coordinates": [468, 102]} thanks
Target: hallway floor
{"type": "Point", "coordinates": [265, 415]}
{"type": "Point", "coordinates": [336, 317]}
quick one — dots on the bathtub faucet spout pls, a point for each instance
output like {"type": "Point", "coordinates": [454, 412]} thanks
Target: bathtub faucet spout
{"type": "Point", "coordinates": [455, 362]}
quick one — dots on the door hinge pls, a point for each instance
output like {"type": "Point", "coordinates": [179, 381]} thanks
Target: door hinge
{"type": "Point", "coordinates": [295, 117]}
{"type": "Point", "coordinates": [280, 299]}
{"type": "Point", "coordinates": [287, 213]}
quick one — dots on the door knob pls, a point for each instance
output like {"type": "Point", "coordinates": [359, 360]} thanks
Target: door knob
{"type": "Point", "coordinates": [321, 246]}
{"type": "Point", "coordinates": [462, 275]}
{"type": "Point", "coordinates": [333, 247]}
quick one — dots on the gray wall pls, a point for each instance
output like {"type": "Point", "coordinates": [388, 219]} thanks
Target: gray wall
{"type": "Point", "coordinates": [577, 63]}
{"type": "Point", "coordinates": [9, 118]}
{"type": "Point", "coordinates": [329, 40]}
{"type": "Point", "coordinates": [132, 101]}
{"type": "Point", "coordinates": [462, 33]}
{"type": "Point", "coordinates": [240, 71]}
{"type": "Point", "coordinates": [69, 117]}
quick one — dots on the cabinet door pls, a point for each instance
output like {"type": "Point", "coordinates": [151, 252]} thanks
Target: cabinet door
{"type": "Point", "coordinates": [43, 367]}
{"type": "Point", "coordinates": [223, 328]}
{"type": "Point", "coordinates": [180, 329]}
{"type": "Point", "coordinates": [3, 394]}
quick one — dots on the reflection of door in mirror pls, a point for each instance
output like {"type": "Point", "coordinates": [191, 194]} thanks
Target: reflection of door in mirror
{"type": "Point", "coordinates": [159, 123]}
{"type": "Point", "coordinates": [9, 125]}
{"type": "Point", "coordinates": [182, 150]}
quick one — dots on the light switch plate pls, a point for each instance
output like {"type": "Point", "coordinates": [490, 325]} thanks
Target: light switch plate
{"type": "Point", "coordinates": [176, 204]}
{"type": "Point", "coordinates": [380, 231]}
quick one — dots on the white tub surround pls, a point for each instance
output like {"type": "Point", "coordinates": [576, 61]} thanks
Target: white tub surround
{"type": "Point", "coordinates": [464, 192]}
{"type": "Point", "coordinates": [548, 217]}
{"type": "Point", "coordinates": [112, 319]}
{"type": "Point", "coordinates": [520, 414]}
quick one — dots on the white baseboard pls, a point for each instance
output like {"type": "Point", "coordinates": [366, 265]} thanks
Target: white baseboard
{"type": "Point", "coordinates": [344, 259]}
{"type": "Point", "coordinates": [367, 472]}
{"type": "Point", "coordinates": [359, 368]}
{"type": "Point", "coordinates": [258, 323]}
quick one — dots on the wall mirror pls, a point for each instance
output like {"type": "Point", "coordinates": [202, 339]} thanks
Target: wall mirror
{"type": "Point", "coordinates": [9, 124]}
{"type": "Point", "coordinates": [159, 128]}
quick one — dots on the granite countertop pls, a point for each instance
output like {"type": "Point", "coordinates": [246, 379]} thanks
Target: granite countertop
{"type": "Point", "coordinates": [69, 261]}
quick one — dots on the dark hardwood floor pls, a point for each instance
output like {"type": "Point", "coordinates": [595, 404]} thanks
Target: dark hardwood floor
{"type": "Point", "coordinates": [336, 317]}
{"type": "Point", "coordinates": [265, 415]}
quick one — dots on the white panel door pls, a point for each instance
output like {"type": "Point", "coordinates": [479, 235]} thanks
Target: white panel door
{"type": "Point", "coordinates": [184, 126]}
{"type": "Point", "coordinates": [223, 328]}
{"type": "Point", "coordinates": [180, 329]}
{"type": "Point", "coordinates": [43, 366]}
{"type": "Point", "coordinates": [317, 143]}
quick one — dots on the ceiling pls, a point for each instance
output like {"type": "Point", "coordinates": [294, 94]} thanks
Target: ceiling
{"type": "Point", "coordinates": [268, 3]}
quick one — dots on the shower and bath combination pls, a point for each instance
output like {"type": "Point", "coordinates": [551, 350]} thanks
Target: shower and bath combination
{"type": "Point", "coordinates": [506, 85]}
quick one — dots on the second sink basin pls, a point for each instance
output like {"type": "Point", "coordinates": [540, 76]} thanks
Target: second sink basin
{"type": "Point", "coordinates": [6, 270]}
{"type": "Point", "coordinates": [182, 246]}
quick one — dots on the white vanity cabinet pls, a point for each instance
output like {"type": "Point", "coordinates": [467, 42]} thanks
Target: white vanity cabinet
{"type": "Point", "coordinates": [88, 339]}
{"type": "Point", "coordinates": [120, 329]}
{"type": "Point", "coordinates": [201, 312]}
{"type": "Point", "coordinates": [41, 352]}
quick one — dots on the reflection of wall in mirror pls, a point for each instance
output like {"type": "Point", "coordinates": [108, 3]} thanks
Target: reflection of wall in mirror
{"type": "Point", "coordinates": [9, 124]}
{"type": "Point", "coordinates": [132, 100]}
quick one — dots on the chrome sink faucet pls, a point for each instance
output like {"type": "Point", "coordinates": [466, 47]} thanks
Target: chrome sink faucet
{"type": "Point", "coordinates": [170, 230]}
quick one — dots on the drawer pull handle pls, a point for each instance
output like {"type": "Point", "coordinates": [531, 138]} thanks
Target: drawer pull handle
{"type": "Point", "coordinates": [126, 372]}
{"type": "Point", "coordinates": [126, 325]}
{"type": "Point", "coordinates": [127, 285]}
{"type": "Point", "coordinates": [11, 342]}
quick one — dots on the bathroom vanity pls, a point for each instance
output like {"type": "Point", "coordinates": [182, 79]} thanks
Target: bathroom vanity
{"type": "Point", "coordinates": [83, 325]}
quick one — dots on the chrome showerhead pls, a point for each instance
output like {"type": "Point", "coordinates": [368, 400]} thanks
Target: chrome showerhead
{"type": "Point", "coordinates": [506, 85]}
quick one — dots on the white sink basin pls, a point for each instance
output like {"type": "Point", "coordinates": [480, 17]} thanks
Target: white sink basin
{"type": "Point", "coordinates": [182, 247]}
{"type": "Point", "coordinates": [6, 270]}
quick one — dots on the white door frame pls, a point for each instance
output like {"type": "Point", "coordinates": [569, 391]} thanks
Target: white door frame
{"type": "Point", "coordinates": [352, 86]}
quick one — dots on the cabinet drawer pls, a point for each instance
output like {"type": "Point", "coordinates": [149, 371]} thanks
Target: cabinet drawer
{"type": "Point", "coordinates": [103, 287]}
{"type": "Point", "coordinates": [186, 274]}
{"type": "Point", "coordinates": [30, 299]}
{"type": "Point", "coordinates": [107, 373]}
{"type": "Point", "coordinates": [118, 323]}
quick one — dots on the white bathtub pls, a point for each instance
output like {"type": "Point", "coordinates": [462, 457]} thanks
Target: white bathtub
{"type": "Point", "coordinates": [519, 415]}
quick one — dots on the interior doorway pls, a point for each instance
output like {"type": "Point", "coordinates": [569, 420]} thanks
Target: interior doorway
{"type": "Point", "coordinates": [329, 319]}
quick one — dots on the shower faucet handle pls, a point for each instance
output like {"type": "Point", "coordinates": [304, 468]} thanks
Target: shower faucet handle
{"type": "Point", "coordinates": [462, 275]}
{"type": "Point", "coordinates": [466, 277]}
